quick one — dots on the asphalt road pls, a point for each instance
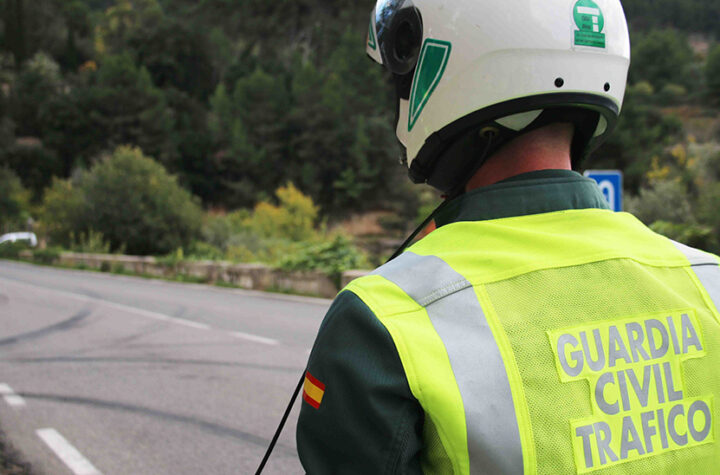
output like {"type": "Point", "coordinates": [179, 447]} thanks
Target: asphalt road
{"type": "Point", "coordinates": [120, 375]}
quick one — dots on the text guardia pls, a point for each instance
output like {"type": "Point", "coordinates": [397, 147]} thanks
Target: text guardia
{"type": "Point", "coordinates": [634, 370]}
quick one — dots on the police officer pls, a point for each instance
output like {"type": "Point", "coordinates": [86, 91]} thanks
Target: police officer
{"type": "Point", "coordinates": [534, 331]}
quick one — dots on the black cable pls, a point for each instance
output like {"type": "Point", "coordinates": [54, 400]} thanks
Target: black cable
{"type": "Point", "coordinates": [281, 426]}
{"type": "Point", "coordinates": [424, 224]}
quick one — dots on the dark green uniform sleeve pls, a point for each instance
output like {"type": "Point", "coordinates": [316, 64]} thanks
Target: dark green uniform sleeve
{"type": "Point", "coordinates": [368, 421]}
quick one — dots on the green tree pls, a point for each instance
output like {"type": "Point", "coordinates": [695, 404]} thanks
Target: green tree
{"type": "Point", "coordinates": [38, 83]}
{"type": "Point", "coordinates": [365, 176]}
{"type": "Point", "coordinates": [191, 138]}
{"type": "Point", "coordinates": [76, 14]}
{"type": "Point", "coordinates": [249, 129]}
{"type": "Point", "coordinates": [261, 101]}
{"type": "Point", "coordinates": [122, 20]}
{"type": "Point", "coordinates": [131, 200]}
{"type": "Point", "coordinates": [34, 164]}
{"type": "Point", "coordinates": [221, 114]}
{"type": "Point", "coordinates": [15, 30]}
{"type": "Point", "coordinates": [118, 105]}
{"type": "Point", "coordinates": [176, 55]}
{"type": "Point", "coordinates": [687, 15]}
{"type": "Point", "coordinates": [343, 143]}
{"type": "Point", "coordinates": [661, 57]}
{"type": "Point", "coordinates": [316, 142]}
{"type": "Point", "coordinates": [30, 27]}
{"type": "Point", "coordinates": [712, 73]}
{"type": "Point", "coordinates": [642, 133]}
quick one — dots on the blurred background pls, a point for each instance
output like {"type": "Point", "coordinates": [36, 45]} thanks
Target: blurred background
{"type": "Point", "coordinates": [251, 131]}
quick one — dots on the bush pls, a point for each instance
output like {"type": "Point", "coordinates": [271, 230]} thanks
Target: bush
{"type": "Point", "coordinates": [241, 254]}
{"type": "Point", "coordinates": [204, 252]}
{"type": "Point", "coordinates": [642, 89]}
{"type": "Point", "coordinates": [47, 256]}
{"type": "Point", "coordinates": [62, 209]}
{"type": "Point", "coordinates": [665, 201]}
{"type": "Point", "coordinates": [672, 94]}
{"type": "Point", "coordinates": [293, 218]}
{"type": "Point", "coordinates": [331, 257]}
{"type": "Point", "coordinates": [131, 200]}
{"type": "Point", "coordinates": [91, 242]}
{"type": "Point", "coordinates": [268, 234]}
{"type": "Point", "coordinates": [14, 201]}
{"type": "Point", "coordinates": [218, 229]}
{"type": "Point", "coordinates": [12, 250]}
{"type": "Point", "coordinates": [173, 260]}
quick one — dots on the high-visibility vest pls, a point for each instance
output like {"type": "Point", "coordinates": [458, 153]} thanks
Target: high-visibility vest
{"type": "Point", "coordinates": [567, 342]}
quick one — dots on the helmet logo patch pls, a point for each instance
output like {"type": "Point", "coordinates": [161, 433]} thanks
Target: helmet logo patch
{"type": "Point", "coordinates": [371, 37]}
{"type": "Point", "coordinates": [590, 22]}
{"type": "Point", "coordinates": [430, 69]}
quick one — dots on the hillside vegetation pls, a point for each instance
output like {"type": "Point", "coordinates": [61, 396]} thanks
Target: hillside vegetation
{"type": "Point", "coordinates": [226, 106]}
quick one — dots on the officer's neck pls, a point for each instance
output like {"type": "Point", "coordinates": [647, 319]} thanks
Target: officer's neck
{"type": "Point", "coordinates": [547, 148]}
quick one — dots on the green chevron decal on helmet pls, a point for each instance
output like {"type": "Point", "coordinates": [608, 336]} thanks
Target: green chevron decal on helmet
{"type": "Point", "coordinates": [590, 22]}
{"type": "Point", "coordinates": [371, 37]}
{"type": "Point", "coordinates": [431, 66]}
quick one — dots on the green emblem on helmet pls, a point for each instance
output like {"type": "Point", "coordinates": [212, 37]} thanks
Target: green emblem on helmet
{"type": "Point", "coordinates": [430, 69]}
{"type": "Point", "coordinates": [371, 37]}
{"type": "Point", "coordinates": [590, 22]}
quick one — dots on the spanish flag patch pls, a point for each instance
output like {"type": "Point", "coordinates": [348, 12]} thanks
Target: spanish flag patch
{"type": "Point", "coordinates": [313, 391]}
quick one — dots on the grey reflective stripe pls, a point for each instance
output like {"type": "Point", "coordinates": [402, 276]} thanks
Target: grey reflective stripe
{"type": "Point", "coordinates": [492, 428]}
{"type": "Point", "coordinates": [424, 278]}
{"type": "Point", "coordinates": [706, 269]}
{"type": "Point", "coordinates": [696, 256]}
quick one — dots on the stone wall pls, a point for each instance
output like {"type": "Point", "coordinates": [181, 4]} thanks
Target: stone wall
{"type": "Point", "coordinates": [247, 276]}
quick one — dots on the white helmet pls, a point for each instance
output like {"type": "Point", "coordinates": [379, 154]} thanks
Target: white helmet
{"type": "Point", "coordinates": [473, 74]}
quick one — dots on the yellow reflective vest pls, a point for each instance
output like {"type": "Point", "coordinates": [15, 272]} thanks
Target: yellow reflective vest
{"type": "Point", "coordinates": [577, 341]}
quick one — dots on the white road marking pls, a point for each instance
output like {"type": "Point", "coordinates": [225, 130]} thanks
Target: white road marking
{"type": "Point", "coordinates": [148, 313]}
{"type": "Point", "coordinates": [70, 456]}
{"type": "Point", "coordinates": [10, 397]}
{"type": "Point", "coordinates": [14, 400]}
{"type": "Point", "coordinates": [255, 338]}
{"type": "Point", "coordinates": [191, 324]}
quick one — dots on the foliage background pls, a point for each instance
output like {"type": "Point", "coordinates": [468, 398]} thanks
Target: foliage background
{"type": "Point", "coordinates": [247, 130]}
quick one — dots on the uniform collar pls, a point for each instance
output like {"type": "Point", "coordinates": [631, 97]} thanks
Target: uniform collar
{"type": "Point", "coordinates": [537, 192]}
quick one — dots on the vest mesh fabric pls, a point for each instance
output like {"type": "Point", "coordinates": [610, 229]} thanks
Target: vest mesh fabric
{"type": "Point", "coordinates": [440, 463]}
{"type": "Point", "coordinates": [529, 305]}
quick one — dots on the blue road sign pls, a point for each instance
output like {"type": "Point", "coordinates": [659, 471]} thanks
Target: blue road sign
{"type": "Point", "coordinates": [611, 185]}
